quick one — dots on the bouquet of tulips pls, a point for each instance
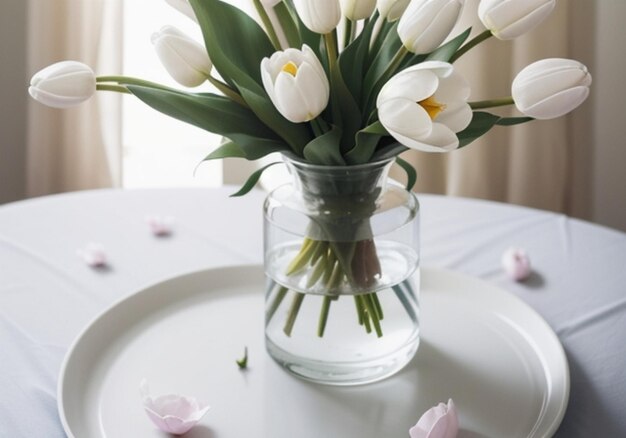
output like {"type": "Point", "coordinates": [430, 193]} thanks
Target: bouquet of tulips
{"type": "Point", "coordinates": [337, 83]}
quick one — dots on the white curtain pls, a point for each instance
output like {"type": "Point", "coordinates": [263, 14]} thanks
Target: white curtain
{"type": "Point", "coordinates": [78, 148]}
{"type": "Point", "coordinates": [530, 164]}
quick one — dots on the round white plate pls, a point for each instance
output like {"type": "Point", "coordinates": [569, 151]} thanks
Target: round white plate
{"type": "Point", "coordinates": [481, 346]}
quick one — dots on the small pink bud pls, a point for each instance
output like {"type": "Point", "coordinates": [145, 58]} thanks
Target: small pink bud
{"type": "Point", "coordinates": [160, 226]}
{"type": "Point", "coordinates": [516, 264]}
{"type": "Point", "coordinates": [93, 255]}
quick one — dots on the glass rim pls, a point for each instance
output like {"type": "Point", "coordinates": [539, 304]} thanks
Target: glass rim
{"type": "Point", "coordinates": [291, 158]}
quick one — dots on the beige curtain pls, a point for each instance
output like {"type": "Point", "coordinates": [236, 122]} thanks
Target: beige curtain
{"type": "Point", "coordinates": [531, 164]}
{"type": "Point", "coordinates": [78, 148]}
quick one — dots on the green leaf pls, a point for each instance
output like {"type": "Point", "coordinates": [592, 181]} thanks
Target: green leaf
{"type": "Point", "coordinates": [288, 24]}
{"type": "Point", "coordinates": [226, 150]}
{"type": "Point", "coordinates": [411, 174]}
{"type": "Point", "coordinates": [348, 116]}
{"type": "Point", "coordinates": [366, 141]}
{"type": "Point", "coordinates": [325, 149]}
{"type": "Point", "coordinates": [235, 42]}
{"type": "Point", "coordinates": [445, 52]}
{"type": "Point", "coordinates": [380, 62]}
{"type": "Point", "coordinates": [481, 123]}
{"type": "Point", "coordinates": [510, 121]}
{"type": "Point", "coordinates": [216, 114]}
{"type": "Point", "coordinates": [389, 150]}
{"type": "Point", "coordinates": [252, 180]}
{"type": "Point", "coordinates": [352, 60]}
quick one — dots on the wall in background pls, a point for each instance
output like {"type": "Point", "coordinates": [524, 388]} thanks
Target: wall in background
{"type": "Point", "coordinates": [13, 99]}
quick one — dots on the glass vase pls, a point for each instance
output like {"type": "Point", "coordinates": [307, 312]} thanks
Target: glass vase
{"type": "Point", "coordinates": [341, 255]}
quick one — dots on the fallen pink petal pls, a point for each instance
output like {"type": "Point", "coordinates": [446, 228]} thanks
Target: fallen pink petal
{"type": "Point", "coordinates": [160, 226]}
{"type": "Point", "coordinates": [93, 255]}
{"type": "Point", "coordinates": [172, 413]}
{"type": "Point", "coordinates": [440, 421]}
{"type": "Point", "coordinates": [516, 264]}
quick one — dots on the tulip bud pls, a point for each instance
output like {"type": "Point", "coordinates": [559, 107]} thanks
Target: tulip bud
{"type": "Point", "coordinates": [426, 23]}
{"type": "Point", "coordinates": [184, 7]}
{"type": "Point", "coordinates": [296, 83]}
{"type": "Point", "coordinates": [319, 16]}
{"type": "Point", "coordinates": [508, 19]}
{"type": "Point", "coordinates": [358, 9]}
{"type": "Point", "coordinates": [550, 88]}
{"type": "Point", "coordinates": [184, 59]}
{"type": "Point", "coordinates": [391, 10]}
{"type": "Point", "coordinates": [63, 85]}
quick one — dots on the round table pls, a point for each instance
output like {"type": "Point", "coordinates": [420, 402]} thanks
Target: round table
{"type": "Point", "coordinates": [48, 293]}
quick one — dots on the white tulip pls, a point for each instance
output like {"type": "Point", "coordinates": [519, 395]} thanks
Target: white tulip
{"type": "Point", "coordinates": [358, 9]}
{"type": "Point", "coordinates": [296, 83]}
{"type": "Point", "coordinates": [508, 19]}
{"type": "Point", "coordinates": [270, 3]}
{"type": "Point", "coordinates": [63, 85]}
{"type": "Point", "coordinates": [391, 10]}
{"type": "Point", "coordinates": [550, 88]}
{"type": "Point", "coordinates": [185, 59]}
{"type": "Point", "coordinates": [425, 105]}
{"type": "Point", "coordinates": [426, 23]}
{"type": "Point", "coordinates": [184, 7]}
{"type": "Point", "coordinates": [320, 16]}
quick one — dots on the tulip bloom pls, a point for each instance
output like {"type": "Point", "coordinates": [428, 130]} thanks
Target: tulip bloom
{"type": "Point", "coordinates": [63, 85]}
{"type": "Point", "coordinates": [184, 59]}
{"type": "Point", "coordinates": [424, 106]}
{"type": "Point", "coordinates": [508, 19]}
{"type": "Point", "coordinates": [551, 88]}
{"type": "Point", "coordinates": [426, 23]}
{"type": "Point", "coordinates": [296, 83]}
{"type": "Point", "coordinates": [358, 9]}
{"type": "Point", "coordinates": [320, 16]}
{"type": "Point", "coordinates": [391, 10]}
{"type": "Point", "coordinates": [184, 7]}
{"type": "Point", "coordinates": [440, 421]}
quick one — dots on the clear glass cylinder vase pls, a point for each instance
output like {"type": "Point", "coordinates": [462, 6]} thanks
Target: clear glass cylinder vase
{"type": "Point", "coordinates": [341, 255]}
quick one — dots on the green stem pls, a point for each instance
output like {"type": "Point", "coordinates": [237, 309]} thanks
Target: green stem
{"type": "Point", "coordinates": [116, 88]}
{"type": "Point", "coordinates": [318, 130]}
{"type": "Point", "coordinates": [128, 80]}
{"type": "Point", "coordinates": [371, 310]}
{"type": "Point", "coordinates": [492, 103]}
{"type": "Point", "coordinates": [267, 23]}
{"type": "Point", "coordinates": [348, 29]}
{"type": "Point", "coordinates": [330, 39]}
{"type": "Point", "coordinates": [229, 92]}
{"type": "Point", "coordinates": [278, 299]}
{"type": "Point", "coordinates": [471, 44]}
{"type": "Point", "coordinates": [323, 316]}
{"type": "Point", "coordinates": [293, 312]}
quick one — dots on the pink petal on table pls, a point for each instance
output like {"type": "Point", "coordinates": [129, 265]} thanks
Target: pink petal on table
{"type": "Point", "coordinates": [172, 413]}
{"type": "Point", "coordinates": [440, 421]}
{"type": "Point", "coordinates": [160, 226]}
{"type": "Point", "coordinates": [516, 264]}
{"type": "Point", "coordinates": [93, 255]}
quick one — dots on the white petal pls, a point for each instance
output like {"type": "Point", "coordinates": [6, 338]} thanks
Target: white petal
{"type": "Point", "coordinates": [313, 89]}
{"type": "Point", "coordinates": [457, 116]}
{"type": "Point", "coordinates": [412, 84]}
{"type": "Point", "coordinates": [441, 139]}
{"type": "Point", "coordinates": [558, 105]}
{"type": "Point", "coordinates": [288, 100]}
{"type": "Point", "coordinates": [406, 118]}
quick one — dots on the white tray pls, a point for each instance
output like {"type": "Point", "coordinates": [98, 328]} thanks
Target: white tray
{"type": "Point", "coordinates": [481, 346]}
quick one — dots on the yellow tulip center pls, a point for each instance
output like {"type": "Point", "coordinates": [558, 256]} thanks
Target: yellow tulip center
{"type": "Point", "coordinates": [432, 107]}
{"type": "Point", "coordinates": [290, 68]}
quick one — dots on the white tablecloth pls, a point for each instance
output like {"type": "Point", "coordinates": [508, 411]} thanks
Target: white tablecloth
{"type": "Point", "coordinates": [48, 294]}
